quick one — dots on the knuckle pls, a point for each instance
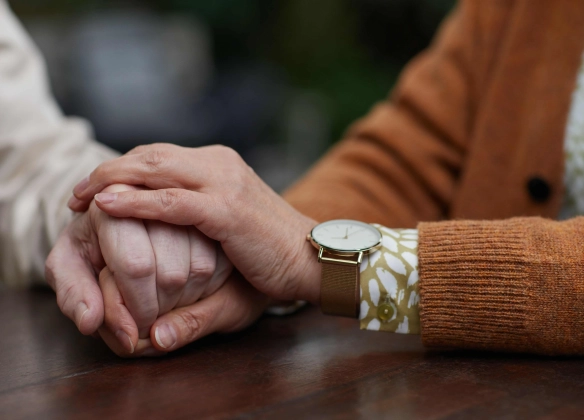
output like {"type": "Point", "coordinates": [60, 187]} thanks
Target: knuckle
{"type": "Point", "coordinates": [171, 281]}
{"type": "Point", "coordinates": [169, 199]}
{"type": "Point", "coordinates": [138, 266]}
{"type": "Point", "coordinates": [202, 269]}
{"type": "Point", "coordinates": [155, 159]}
{"type": "Point", "coordinates": [193, 324]}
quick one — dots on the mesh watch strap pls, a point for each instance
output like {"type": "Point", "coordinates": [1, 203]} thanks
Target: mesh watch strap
{"type": "Point", "coordinates": [339, 290]}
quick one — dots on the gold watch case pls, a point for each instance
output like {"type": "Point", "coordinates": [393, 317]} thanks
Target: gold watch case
{"type": "Point", "coordinates": [347, 257]}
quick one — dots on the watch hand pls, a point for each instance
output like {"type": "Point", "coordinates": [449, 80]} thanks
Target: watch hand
{"type": "Point", "coordinates": [346, 233]}
{"type": "Point", "coordinates": [358, 230]}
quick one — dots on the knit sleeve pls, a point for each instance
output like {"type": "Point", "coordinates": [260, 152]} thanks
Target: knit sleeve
{"type": "Point", "coordinates": [389, 284]}
{"type": "Point", "coordinates": [509, 285]}
{"type": "Point", "coordinates": [400, 163]}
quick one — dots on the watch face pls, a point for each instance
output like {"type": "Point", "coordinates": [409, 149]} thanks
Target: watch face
{"type": "Point", "coordinates": [346, 235]}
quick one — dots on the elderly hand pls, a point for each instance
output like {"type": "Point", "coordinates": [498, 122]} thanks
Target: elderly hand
{"type": "Point", "coordinates": [213, 189]}
{"type": "Point", "coordinates": [231, 308]}
{"type": "Point", "coordinates": [152, 267]}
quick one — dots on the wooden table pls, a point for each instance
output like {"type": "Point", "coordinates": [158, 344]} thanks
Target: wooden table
{"type": "Point", "coordinates": [298, 367]}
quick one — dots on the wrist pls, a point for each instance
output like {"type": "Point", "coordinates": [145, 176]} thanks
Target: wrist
{"type": "Point", "coordinates": [307, 272]}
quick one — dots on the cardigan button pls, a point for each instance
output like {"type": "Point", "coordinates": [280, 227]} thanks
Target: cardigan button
{"type": "Point", "coordinates": [385, 312]}
{"type": "Point", "coordinates": [539, 189]}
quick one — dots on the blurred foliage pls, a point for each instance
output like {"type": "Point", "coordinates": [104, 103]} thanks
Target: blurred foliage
{"type": "Point", "coordinates": [348, 51]}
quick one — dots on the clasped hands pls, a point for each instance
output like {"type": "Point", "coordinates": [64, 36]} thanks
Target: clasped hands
{"type": "Point", "coordinates": [171, 244]}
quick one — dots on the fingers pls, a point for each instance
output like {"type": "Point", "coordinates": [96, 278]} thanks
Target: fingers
{"type": "Point", "coordinates": [233, 307]}
{"type": "Point", "coordinates": [175, 206]}
{"type": "Point", "coordinates": [203, 264]}
{"type": "Point", "coordinates": [171, 246]}
{"type": "Point", "coordinates": [117, 318]}
{"type": "Point", "coordinates": [223, 270]}
{"type": "Point", "coordinates": [73, 280]}
{"type": "Point", "coordinates": [119, 330]}
{"type": "Point", "coordinates": [136, 168]}
{"type": "Point", "coordinates": [144, 347]}
{"type": "Point", "coordinates": [78, 205]}
{"type": "Point", "coordinates": [127, 251]}
{"type": "Point", "coordinates": [202, 261]}
{"type": "Point", "coordinates": [162, 166]}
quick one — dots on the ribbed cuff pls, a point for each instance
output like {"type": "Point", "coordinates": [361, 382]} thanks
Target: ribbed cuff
{"type": "Point", "coordinates": [474, 285]}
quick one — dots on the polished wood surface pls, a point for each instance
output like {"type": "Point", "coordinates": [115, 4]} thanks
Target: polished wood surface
{"type": "Point", "coordinates": [297, 367]}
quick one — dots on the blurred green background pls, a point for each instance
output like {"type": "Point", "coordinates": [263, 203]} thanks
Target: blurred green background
{"type": "Point", "coordinates": [279, 80]}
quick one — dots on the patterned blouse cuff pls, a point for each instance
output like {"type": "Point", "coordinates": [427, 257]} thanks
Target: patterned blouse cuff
{"type": "Point", "coordinates": [389, 284]}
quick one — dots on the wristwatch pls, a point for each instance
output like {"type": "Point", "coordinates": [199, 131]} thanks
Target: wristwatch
{"type": "Point", "coordinates": [341, 246]}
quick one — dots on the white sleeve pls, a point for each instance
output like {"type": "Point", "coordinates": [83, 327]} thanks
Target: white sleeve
{"type": "Point", "coordinates": [42, 156]}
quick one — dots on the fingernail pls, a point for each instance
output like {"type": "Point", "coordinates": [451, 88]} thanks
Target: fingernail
{"type": "Point", "coordinates": [125, 341]}
{"type": "Point", "coordinates": [80, 187]}
{"type": "Point", "coordinates": [106, 198]}
{"type": "Point", "coordinates": [80, 312]}
{"type": "Point", "coordinates": [165, 336]}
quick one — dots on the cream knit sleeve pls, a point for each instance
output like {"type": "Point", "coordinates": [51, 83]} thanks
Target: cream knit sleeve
{"type": "Point", "coordinates": [42, 156]}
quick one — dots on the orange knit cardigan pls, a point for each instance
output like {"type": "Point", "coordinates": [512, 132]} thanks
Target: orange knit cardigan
{"type": "Point", "coordinates": [474, 133]}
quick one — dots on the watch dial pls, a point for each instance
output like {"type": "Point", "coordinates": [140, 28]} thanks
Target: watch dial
{"type": "Point", "coordinates": [346, 235]}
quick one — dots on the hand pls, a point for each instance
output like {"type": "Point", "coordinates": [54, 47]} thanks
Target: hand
{"type": "Point", "coordinates": [233, 307]}
{"type": "Point", "coordinates": [156, 267]}
{"type": "Point", "coordinates": [213, 189]}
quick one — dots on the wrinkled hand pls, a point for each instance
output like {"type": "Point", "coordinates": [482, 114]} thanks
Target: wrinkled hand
{"type": "Point", "coordinates": [213, 189]}
{"type": "Point", "coordinates": [152, 267]}
{"type": "Point", "coordinates": [233, 307]}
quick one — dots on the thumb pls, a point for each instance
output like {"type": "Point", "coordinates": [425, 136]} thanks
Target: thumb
{"type": "Point", "coordinates": [233, 307]}
{"type": "Point", "coordinates": [73, 280]}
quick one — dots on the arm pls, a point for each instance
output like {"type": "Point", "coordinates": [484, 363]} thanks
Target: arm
{"type": "Point", "coordinates": [513, 285]}
{"type": "Point", "coordinates": [42, 156]}
{"type": "Point", "coordinates": [400, 164]}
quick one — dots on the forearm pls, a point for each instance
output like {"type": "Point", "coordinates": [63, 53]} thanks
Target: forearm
{"type": "Point", "coordinates": [512, 285]}
{"type": "Point", "coordinates": [42, 156]}
{"type": "Point", "coordinates": [400, 164]}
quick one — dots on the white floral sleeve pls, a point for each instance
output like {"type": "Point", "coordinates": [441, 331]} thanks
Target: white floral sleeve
{"type": "Point", "coordinates": [389, 284]}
